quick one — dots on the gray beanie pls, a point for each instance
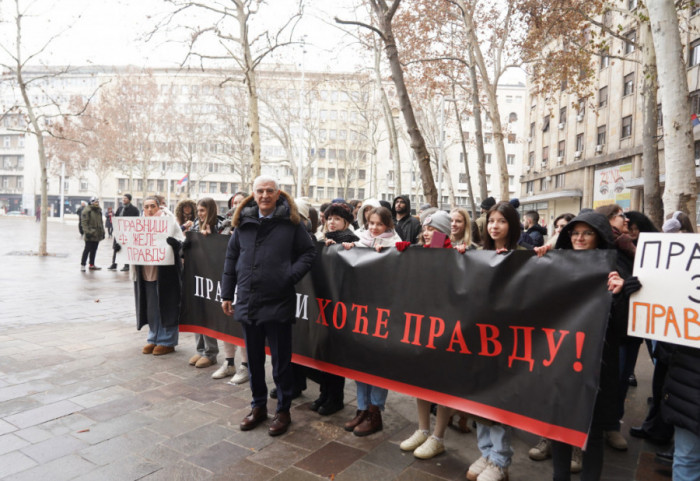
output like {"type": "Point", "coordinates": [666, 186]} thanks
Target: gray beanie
{"type": "Point", "coordinates": [440, 220]}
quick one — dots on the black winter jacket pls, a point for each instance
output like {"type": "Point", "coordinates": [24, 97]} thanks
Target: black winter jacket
{"type": "Point", "coordinates": [681, 399]}
{"type": "Point", "coordinates": [408, 227]}
{"type": "Point", "coordinates": [265, 258]}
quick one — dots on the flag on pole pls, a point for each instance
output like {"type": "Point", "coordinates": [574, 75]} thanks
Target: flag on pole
{"type": "Point", "coordinates": [185, 178]}
{"type": "Point", "coordinates": [695, 120]}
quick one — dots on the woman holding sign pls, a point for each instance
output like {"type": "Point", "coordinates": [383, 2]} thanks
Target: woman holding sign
{"type": "Point", "coordinates": [157, 291]}
{"type": "Point", "coordinates": [588, 231]}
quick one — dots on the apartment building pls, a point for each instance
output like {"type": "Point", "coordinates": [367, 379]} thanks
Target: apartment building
{"type": "Point", "coordinates": [587, 152]}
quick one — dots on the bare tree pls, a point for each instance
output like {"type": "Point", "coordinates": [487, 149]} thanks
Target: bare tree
{"type": "Point", "coordinates": [383, 15]}
{"type": "Point", "coordinates": [233, 133]}
{"type": "Point", "coordinates": [231, 22]}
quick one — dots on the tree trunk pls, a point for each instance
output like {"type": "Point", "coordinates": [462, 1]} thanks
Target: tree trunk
{"type": "Point", "coordinates": [250, 80]}
{"type": "Point", "coordinates": [389, 121]}
{"type": "Point", "coordinates": [653, 205]}
{"type": "Point", "coordinates": [478, 133]}
{"type": "Point", "coordinates": [468, 179]}
{"type": "Point", "coordinates": [680, 192]}
{"type": "Point", "coordinates": [417, 141]}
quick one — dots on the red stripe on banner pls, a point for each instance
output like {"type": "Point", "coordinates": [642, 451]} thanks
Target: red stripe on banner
{"type": "Point", "coordinates": [549, 431]}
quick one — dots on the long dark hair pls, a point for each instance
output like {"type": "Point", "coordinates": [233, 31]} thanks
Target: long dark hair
{"type": "Point", "coordinates": [511, 215]}
{"type": "Point", "coordinates": [209, 204]}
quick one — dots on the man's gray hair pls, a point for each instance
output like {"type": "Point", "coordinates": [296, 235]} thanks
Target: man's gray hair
{"type": "Point", "coordinates": [265, 178]}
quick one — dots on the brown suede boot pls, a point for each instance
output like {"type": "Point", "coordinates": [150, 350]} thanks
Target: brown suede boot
{"type": "Point", "coordinates": [371, 423]}
{"type": "Point", "coordinates": [359, 417]}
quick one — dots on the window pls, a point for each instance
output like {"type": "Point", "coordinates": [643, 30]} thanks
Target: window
{"type": "Point", "coordinates": [532, 130]}
{"type": "Point", "coordinates": [559, 181]}
{"type": "Point", "coordinates": [581, 106]}
{"type": "Point", "coordinates": [579, 142]}
{"type": "Point", "coordinates": [512, 117]}
{"type": "Point", "coordinates": [694, 56]}
{"type": "Point", "coordinates": [511, 180]}
{"type": "Point", "coordinates": [6, 142]}
{"type": "Point", "coordinates": [461, 157]}
{"type": "Point", "coordinates": [562, 115]}
{"type": "Point", "coordinates": [628, 84]}
{"type": "Point", "coordinates": [531, 159]}
{"type": "Point", "coordinates": [487, 158]}
{"type": "Point", "coordinates": [694, 11]}
{"type": "Point", "coordinates": [488, 179]}
{"type": "Point", "coordinates": [530, 187]}
{"type": "Point", "coordinates": [697, 151]}
{"type": "Point", "coordinates": [545, 123]}
{"type": "Point", "coordinates": [626, 127]}
{"type": "Point", "coordinates": [632, 4]}
{"type": "Point", "coordinates": [332, 134]}
{"type": "Point", "coordinates": [83, 185]}
{"type": "Point", "coordinates": [510, 159]}
{"type": "Point", "coordinates": [545, 154]}
{"type": "Point", "coordinates": [603, 97]}
{"type": "Point", "coordinates": [342, 134]}
{"type": "Point", "coordinates": [462, 178]}
{"type": "Point", "coordinates": [213, 187]}
{"type": "Point", "coordinates": [509, 99]}
{"type": "Point", "coordinates": [320, 192]}
{"type": "Point", "coordinates": [543, 184]}
{"type": "Point", "coordinates": [361, 174]}
{"type": "Point", "coordinates": [488, 138]}
{"type": "Point", "coordinates": [600, 139]}
{"type": "Point", "coordinates": [564, 84]}
{"type": "Point", "coordinates": [604, 60]}
{"type": "Point", "coordinates": [511, 138]}
{"type": "Point", "coordinates": [123, 184]}
{"type": "Point", "coordinates": [322, 134]}
{"type": "Point", "coordinates": [561, 148]}
{"type": "Point", "coordinates": [332, 154]}
{"type": "Point", "coordinates": [695, 102]}
{"type": "Point", "coordinates": [321, 173]}
{"type": "Point", "coordinates": [321, 153]}
{"type": "Point", "coordinates": [323, 115]}
{"type": "Point", "coordinates": [465, 133]}
{"type": "Point", "coordinates": [331, 173]}
{"type": "Point", "coordinates": [631, 37]}
{"type": "Point", "coordinates": [333, 114]}
{"type": "Point", "coordinates": [660, 117]}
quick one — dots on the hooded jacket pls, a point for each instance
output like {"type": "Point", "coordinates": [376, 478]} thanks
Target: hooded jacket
{"type": "Point", "coordinates": [537, 233]}
{"type": "Point", "coordinates": [91, 222]}
{"type": "Point", "coordinates": [606, 407]}
{"type": "Point", "coordinates": [408, 227]}
{"type": "Point", "coordinates": [682, 390]}
{"type": "Point", "coordinates": [265, 258]}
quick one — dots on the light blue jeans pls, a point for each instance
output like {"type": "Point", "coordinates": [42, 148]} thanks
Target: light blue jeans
{"type": "Point", "coordinates": [157, 334]}
{"type": "Point", "coordinates": [686, 456]}
{"type": "Point", "coordinates": [368, 394]}
{"type": "Point", "coordinates": [494, 443]}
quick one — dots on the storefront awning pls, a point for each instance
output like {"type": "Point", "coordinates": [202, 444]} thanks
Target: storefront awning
{"type": "Point", "coordinates": [551, 196]}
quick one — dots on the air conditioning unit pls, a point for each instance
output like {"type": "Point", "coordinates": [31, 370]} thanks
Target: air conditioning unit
{"type": "Point", "coordinates": [560, 159]}
{"type": "Point", "coordinates": [529, 140]}
{"type": "Point", "coordinates": [548, 178]}
{"type": "Point", "coordinates": [527, 167]}
{"type": "Point", "coordinates": [561, 125]}
{"type": "Point", "coordinates": [544, 163]}
{"type": "Point", "coordinates": [579, 117]}
{"type": "Point", "coordinates": [577, 154]}
{"type": "Point", "coordinates": [697, 162]}
{"type": "Point", "coordinates": [598, 149]}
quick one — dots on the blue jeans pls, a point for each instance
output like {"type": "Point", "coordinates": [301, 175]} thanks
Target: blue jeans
{"type": "Point", "coordinates": [368, 394]}
{"type": "Point", "coordinates": [494, 443]}
{"type": "Point", "coordinates": [686, 456]}
{"type": "Point", "coordinates": [157, 333]}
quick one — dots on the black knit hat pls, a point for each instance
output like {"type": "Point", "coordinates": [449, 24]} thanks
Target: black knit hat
{"type": "Point", "coordinates": [488, 203]}
{"type": "Point", "coordinates": [341, 210]}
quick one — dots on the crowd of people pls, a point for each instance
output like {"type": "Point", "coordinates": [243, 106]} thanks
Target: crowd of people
{"type": "Point", "coordinates": [273, 244]}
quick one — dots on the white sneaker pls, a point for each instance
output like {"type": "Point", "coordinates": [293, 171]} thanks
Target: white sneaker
{"type": "Point", "coordinates": [241, 376]}
{"type": "Point", "coordinates": [416, 439]}
{"type": "Point", "coordinates": [576, 460]}
{"type": "Point", "coordinates": [493, 473]}
{"type": "Point", "coordinates": [225, 370]}
{"type": "Point", "coordinates": [429, 449]}
{"type": "Point", "coordinates": [542, 451]}
{"type": "Point", "coordinates": [477, 468]}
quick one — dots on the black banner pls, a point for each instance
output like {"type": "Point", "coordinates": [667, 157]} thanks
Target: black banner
{"type": "Point", "coordinates": [513, 338]}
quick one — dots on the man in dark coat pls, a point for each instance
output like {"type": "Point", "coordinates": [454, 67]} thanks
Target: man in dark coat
{"type": "Point", "coordinates": [268, 253]}
{"type": "Point", "coordinates": [533, 229]}
{"type": "Point", "coordinates": [407, 226]}
{"type": "Point", "coordinates": [127, 209]}
{"type": "Point", "coordinates": [93, 232]}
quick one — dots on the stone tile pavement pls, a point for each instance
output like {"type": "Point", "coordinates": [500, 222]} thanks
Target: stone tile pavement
{"type": "Point", "coordinates": [79, 401]}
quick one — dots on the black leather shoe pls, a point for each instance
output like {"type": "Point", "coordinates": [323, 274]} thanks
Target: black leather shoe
{"type": "Point", "coordinates": [317, 404]}
{"type": "Point", "coordinates": [665, 456]}
{"type": "Point", "coordinates": [273, 393]}
{"type": "Point", "coordinates": [639, 432]}
{"type": "Point", "coordinates": [255, 417]}
{"type": "Point", "coordinates": [280, 423]}
{"type": "Point", "coordinates": [632, 381]}
{"type": "Point", "coordinates": [330, 407]}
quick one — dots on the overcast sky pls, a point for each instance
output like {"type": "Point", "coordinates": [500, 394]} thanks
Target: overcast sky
{"type": "Point", "coordinates": [112, 32]}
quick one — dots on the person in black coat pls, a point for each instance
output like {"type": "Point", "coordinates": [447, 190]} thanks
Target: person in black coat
{"type": "Point", "coordinates": [406, 226]}
{"type": "Point", "coordinates": [268, 253]}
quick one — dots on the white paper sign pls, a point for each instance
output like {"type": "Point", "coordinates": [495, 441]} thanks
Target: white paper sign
{"type": "Point", "coordinates": [143, 240]}
{"type": "Point", "coordinates": [666, 308]}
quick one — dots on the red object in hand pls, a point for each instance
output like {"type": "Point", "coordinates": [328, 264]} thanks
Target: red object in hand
{"type": "Point", "coordinates": [448, 244]}
{"type": "Point", "coordinates": [402, 246]}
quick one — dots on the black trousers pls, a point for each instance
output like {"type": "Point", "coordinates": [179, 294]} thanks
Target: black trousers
{"type": "Point", "coordinates": [331, 386]}
{"type": "Point", "coordinates": [592, 458]}
{"type": "Point", "coordinates": [279, 338]}
{"type": "Point", "coordinates": [89, 250]}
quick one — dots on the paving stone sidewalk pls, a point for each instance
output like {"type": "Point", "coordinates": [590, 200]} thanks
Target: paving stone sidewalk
{"type": "Point", "coordinates": [78, 400]}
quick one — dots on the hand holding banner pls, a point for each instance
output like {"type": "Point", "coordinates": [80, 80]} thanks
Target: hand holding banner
{"type": "Point", "coordinates": [144, 240]}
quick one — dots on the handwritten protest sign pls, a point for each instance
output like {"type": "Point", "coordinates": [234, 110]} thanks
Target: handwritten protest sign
{"type": "Point", "coordinates": [666, 307]}
{"type": "Point", "coordinates": [143, 240]}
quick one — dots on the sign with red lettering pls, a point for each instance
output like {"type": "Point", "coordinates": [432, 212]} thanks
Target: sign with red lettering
{"type": "Point", "coordinates": [143, 240]}
{"type": "Point", "coordinates": [666, 307]}
{"type": "Point", "coordinates": [510, 337]}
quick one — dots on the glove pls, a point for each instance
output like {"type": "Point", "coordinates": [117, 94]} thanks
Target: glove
{"type": "Point", "coordinates": [402, 245]}
{"type": "Point", "coordinates": [447, 244]}
{"type": "Point", "coordinates": [173, 242]}
{"type": "Point", "coordinates": [117, 247]}
{"type": "Point", "coordinates": [631, 286]}
{"type": "Point", "coordinates": [185, 245]}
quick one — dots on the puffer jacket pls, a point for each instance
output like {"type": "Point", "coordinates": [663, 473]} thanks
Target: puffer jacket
{"type": "Point", "coordinates": [91, 222]}
{"type": "Point", "coordinates": [681, 398]}
{"type": "Point", "coordinates": [265, 258]}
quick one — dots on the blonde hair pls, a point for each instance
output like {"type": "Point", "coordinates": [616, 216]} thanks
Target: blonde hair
{"type": "Point", "coordinates": [467, 237]}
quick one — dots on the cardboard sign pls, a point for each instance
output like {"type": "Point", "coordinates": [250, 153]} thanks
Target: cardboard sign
{"type": "Point", "coordinates": [666, 307]}
{"type": "Point", "coordinates": [143, 240]}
